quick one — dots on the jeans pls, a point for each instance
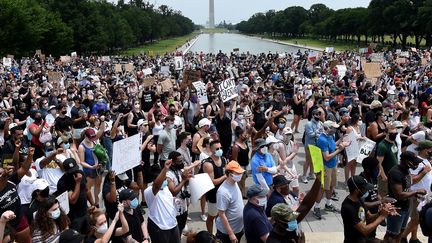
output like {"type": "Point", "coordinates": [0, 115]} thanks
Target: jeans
{"type": "Point", "coordinates": [166, 236]}
{"type": "Point", "coordinates": [396, 224]}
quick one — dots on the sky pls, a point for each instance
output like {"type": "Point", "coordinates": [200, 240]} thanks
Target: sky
{"type": "Point", "coordinates": [234, 11]}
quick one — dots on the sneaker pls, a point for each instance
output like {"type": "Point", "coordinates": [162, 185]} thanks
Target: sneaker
{"type": "Point", "coordinates": [335, 197]}
{"type": "Point", "coordinates": [189, 218]}
{"type": "Point", "coordinates": [311, 177]}
{"type": "Point", "coordinates": [203, 217]}
{"type": "Point", "coordinates": [304, 180]}
{"type": "Point", "coordinates": [330, 208]}
{"type": "Point", "coordinates": [413, 241]}
{"type": "Point", "coordinates": [185, 230]}
{"type": "Point", "coordinates": [317, 213]}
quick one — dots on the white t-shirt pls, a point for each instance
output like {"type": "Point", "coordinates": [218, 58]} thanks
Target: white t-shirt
{"type": "Point", "coordinates": [426, 181]}
{"type": "Point", "coordinates": [25, 187]}
{"type": "Point", "coordinates": [181, 204]}
{"type": "Point", "coordinates": [178, 123]}
{"type": "Point", "coordinates": [161, 208]}
{"type": "Point", "coordinates": [51, 172]}
{"type": "Point", "coordinates": [418, 136]}
{"type": "Point", "coordinates": [50, 119]}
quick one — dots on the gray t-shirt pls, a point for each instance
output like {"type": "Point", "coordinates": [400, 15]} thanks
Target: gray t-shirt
{"type": "Point", "coordinates": [168, 139]}
{"type": "Point", "coordinates": [229, 199]}
{"type": "Point", "coordinates": [190, 107]}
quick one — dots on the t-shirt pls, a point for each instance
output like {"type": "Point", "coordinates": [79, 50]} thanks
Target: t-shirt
{"type": "Point", "coordinates": [9, 199]}
{"type": "Point", "coordinates": [167, 138]}
{"type": "Point", "coordinates": [256, 223]}
{"type": "Point", "coordinates": [398, 175]}
{"type": "Point", "coordinates": [418, 137]}
{"type": "Point", "coordinates": [287, 237]}
{"type": "Point", "coordinates": [25, 187]}
{"type": "Point", "coordinates": [147, 100]}
{"type": "Point", "coordinates": [51, 172]}
{"type": "Point", "coordinates": [161, 208]}
{"type": "Point", "coordinates": [180, 203]}
{"type": "Point", "coordinates": [76, 113]}
{"type": "Point", "coordinates": [262, 160]}
{"type": "Point", "coordinates": [352, 214]}
{"type": "Point", "coordinates": [134, 222]}
{"type": "Point", "coordinates": [111, 208]}
{"type": "Point", "coordinates": [229, 199]}
{"type": "Point", "coordinates": [327, 144]}
{"type": "Point", "coordinates": [389, 152]}
{"type": "Point", "coordinates": [426, 181]}
{"type": "Point", "coordinates": [67, 183]}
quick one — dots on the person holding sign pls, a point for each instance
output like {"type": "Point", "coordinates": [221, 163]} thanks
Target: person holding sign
{"type": "Point", "coordinates": [330, 148]}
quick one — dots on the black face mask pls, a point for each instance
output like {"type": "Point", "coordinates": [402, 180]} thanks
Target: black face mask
{"type": "Point", "coordinates": [64, 112]}
{"type": "Point", "coordinates": [392, 136]}
{"type": "Point", "coordinates": [189, 144]}
{"type": "Point", "coordinates": [38, 119]}
{"type": "Point", "coordinates": [316, 118]}
{"type": "Point", "coordinates": [179, 166]}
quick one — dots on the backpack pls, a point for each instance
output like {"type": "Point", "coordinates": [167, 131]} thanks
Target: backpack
{"type": "Point", "coordinates": [45, 136]}
{"type": "Point", "coordinates": [426, 229]}
{"type": "Point", "coordinates": [101, 153]}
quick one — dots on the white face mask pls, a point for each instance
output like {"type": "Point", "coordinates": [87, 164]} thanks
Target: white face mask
{"type": "Point", "coordinates": [360, 123]}
{"type": "Point", "coordinates": [240, 117]}
{"type": "Point", "coordinates": [263, 150]}
{"type": "Point", "coordinates": [55, 214]}
{"type": "Point", "coordinates": [102, 229]}
{"type": "Point", "coordinates": [262, 201]}
{"type": "Point", "coordinates": [275, 146]}
{"type": "Point", "coordinates": [236, 178]}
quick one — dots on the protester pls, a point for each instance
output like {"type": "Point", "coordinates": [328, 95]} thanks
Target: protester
{"type": "Point", "coordinates": [256, 225]}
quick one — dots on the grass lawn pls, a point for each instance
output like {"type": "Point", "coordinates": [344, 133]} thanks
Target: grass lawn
{"type": "Point", "coordinates": [160, 47]}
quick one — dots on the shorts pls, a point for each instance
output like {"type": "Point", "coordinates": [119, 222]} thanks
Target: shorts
{"type": "Point", "coordinates": [396, 224]}
{"type": "Point", "coordinates": [77, 133]}
{"type": "Point", "coordinates": [212, 209]}
{"type": "Point", "coordinates": [181, 220]}
{"type": "Point", "coordinates": [382, 187]}
{"type": "Point", "coordinates": [91, 173]}
{"type": "Point", "coordinates": [330, 178]}
{"type": "Point", "coordinates": [414, 214]}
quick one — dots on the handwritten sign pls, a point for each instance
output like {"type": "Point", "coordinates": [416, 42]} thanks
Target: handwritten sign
{"type": "Point", "coordinates": [201, 92]}
{"type": "Point", "coordinates": [190, 76]}
{"type": "Point", "coordinates": [366, 148]}
{"type": "Point", "coordinates": [377, 57]}
{"type": "Point", "coordinates": [352, 151]}
{"type": "Point", "coordinates": [329, 49]}
{"type": "Point", "coordinates": [7, 62]}
{"type": "Point", "coordinates": [118, 68]}
{"type": "Point", "coordinates": [227, 90]}
{"type": "Point", "coordinates": [341, 71]}
{"type": "Point", "coordinates": [126, 154]}
{"type": "Point", "coordinates": [147, 71]}
{"type": "Point", "coordinates": [63, 200]}
{"type": "Point", "coordinates": [317, 161]}
{"type": "Point", "coordinates": [165, 70]}
{"type": "Point", "coordinates": [106, 59]}
{"type": "Point", "coordinates": [178, 62]}
{"type": "Point", "coordinates": [199, 185]}
{"type": "Point", "coordinates": [372, 70]}
{"type": "Point", "coordinates": [129, 67]}
{"type": "Point", "coordinates": [166, 85]}
{"type": "Point", "coordinates": [54, 78]}
{"type": "Point", "coordinates": [65, 59]}
{"type": "Point", "coordinates": [148, 82]}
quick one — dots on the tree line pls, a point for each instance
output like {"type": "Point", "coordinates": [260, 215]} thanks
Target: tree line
{"type": "Point", "coordinates": [58, 27]}
{"type": "Point", "coordinates": [388, 22]}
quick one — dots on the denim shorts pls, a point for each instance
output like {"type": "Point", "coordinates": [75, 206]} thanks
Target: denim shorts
{"type": "Point", "coordinates": [396, 224]}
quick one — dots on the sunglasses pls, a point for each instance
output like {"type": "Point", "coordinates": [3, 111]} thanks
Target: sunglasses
{"type": "Point", "coordinates": [220, 148]}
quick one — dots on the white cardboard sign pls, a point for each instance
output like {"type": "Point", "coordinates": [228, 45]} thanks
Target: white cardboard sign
{"type": "Point", "coordinates": [201, 92]}
{"type": "Point", "coordinates": [63, 200]}
{"type": "Point", "coordinates": [227, 90]}
{"type": "Point", "coordinates": [126, 154]}
{"type": "Point", "coordinates": [366, 148]}
{"type": "Point", "coordinates": [178, 61]}
{"type": "Point", "coordinates": [199, 185]}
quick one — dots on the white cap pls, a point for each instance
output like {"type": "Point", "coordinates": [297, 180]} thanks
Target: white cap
{"type": "Point", "coordinates": [39, 184]}
{"type": "Point", "coordinates": [271, 139]}
{"type": "Point", "coordinates": [204, 122]}
{"type": "Point", "coordinates": [12, 125]}
{"type": "Point", "coordinates": [330, 124]}
{"type": "Point", "coordinates": [141, 122]}
{"type": "Point", "coordinates": [123, 176]}
{"type": "Point", "coordinates": [287, 130]}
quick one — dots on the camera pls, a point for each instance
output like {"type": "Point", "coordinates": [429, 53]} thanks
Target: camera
{"type": "Point", "coordinates": [185, 194]}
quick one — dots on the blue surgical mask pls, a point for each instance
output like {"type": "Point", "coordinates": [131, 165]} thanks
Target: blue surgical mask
{"type": "Point", "coordinates": [47, 153]}
{"type": "Point", "coordinates": [218, 153]}
{"type": "Point", "coordinates": [292, 225]}
{"type": "Point", "coordinates": [134, 203]}
{"type": "Point", "coordinates": [327, 104]}
{"type": "Point", "coordinates": [67, 145]}
{"type": "Point", "coordinates": [365, 195]}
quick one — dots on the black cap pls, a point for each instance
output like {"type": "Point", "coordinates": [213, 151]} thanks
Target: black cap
{"type": "Point", "coordinates": [280, 180]}
{"type": "Point", "coordinates": [359, 182]}
{"type": "Point", "coordinates": [127, 194]}
{"type": "Point", "coordinates": [411, 157]}
{"type": "Point", "coordinates": [71, 236]}
{"type": "Point", "coordinates": [70, 166]}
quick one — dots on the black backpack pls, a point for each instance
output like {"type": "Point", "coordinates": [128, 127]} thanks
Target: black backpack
{"type": "Point", "coordinates": [426, 229]}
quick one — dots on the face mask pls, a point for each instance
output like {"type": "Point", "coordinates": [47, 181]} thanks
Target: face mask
{"type": "Point", "coordinates": [55, 214]}
{"type": "Point", "coordinates": [218, 153]}
{"type": "Point", "coordinates": [125, 102]}
{"type": "Point", "coordinates": [236, 178]}
{"type": "Point", "coordinates": [164, 184]}
{"type": "Point", "coordinates": [270, 98]}
{"type": "Point", "coordinates": [47, 153]}
{"type": "Point", "coordinates": [38, 119]}
{"type": "Point", "coordinates": [101, 101]}
{"type": "Point", "coordinates": [179, 166]}
{"type": "Point", "coordinates": [331, 132]}
{"type": "Point", "coordinates": [412, 166]}
{"type": "Point", "coordinates": [262, 108]}
{"type": "Point", "coordinates": [134, 203]}
{"type": "Point", "coordinates": [276, 146]}
{"type": "Point", "coordinates": [327, 103]}
{"type": "Point", "coordinates": [189, 144]}
{"type": "Point", "coordinates": [102, 229]}
{"type": "Point", "coordinates": [365, 195]}
{"type": "Point", "coordinates": [360, 123]}
{"type": "Point", "coordinates": [171, 126]}
{"type": "Point", "coordinates": [316, 118]}
{"type": "Point", "coordinates": [240, 117]}
{"type": "Point", "coordinates": [66, 145]}
{"type": "Point", "coordinates": [263, 150]}
{"type": "Point", "coordinates": [64, 112]}
{"type": "Point", "coordinates": [202, 110]}
{"type": "Point", "coordinates": [262, 201]}
{"type": "Point", "coordinates": [292, 226]}
{"type": "Point", "coordinates": [281, 125]}
{"type": "Point", "coordinates": [392, 136]}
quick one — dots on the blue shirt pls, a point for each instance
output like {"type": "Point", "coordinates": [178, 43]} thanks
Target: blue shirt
{"type": "Point", "coordinates": [262, 160]}
{"type": "Point", "coordinates": [275, 198]}
{"type": "Point", "coordinates": [255, 223]}
{"type": "Point", "coordinates": [327, 144]}
{"type": "Point", "coordinates": [312, 129]}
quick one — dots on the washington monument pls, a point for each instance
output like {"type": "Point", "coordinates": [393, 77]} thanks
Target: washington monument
{"type": "Point", "coordinates": [211, 14]}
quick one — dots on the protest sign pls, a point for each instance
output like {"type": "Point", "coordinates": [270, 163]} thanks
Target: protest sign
{"type": "Point", "coordinates": [313, 56]}
{"type": "Point", "coordinates": [363, 50]}
{"type": "Point", "coordinates": [147, 71]}
{"type": "Point", "coordinates": [65, 59]}
{"type": "Point", "coordinates": [377, 57]}
{"type": "Point", "coordinates": [129, 67]}
{"type": "Point", "coordinates": [201, 92]}
{"type": "Point", "coordinates": [38, 52]}
{"type": "Point", "coordinates": [166, 85]}
{"type": "Point", "coordinates": [165, 70]}
{"type": "Point", "coordinates": [398, 51]}
{"type": "Point", "coordinates": [118, 68]}
{"type": "Point", "coordinates": [334, 63]}
{"type": "Point", "coordinates": [63, 201]}
{"type": "Point", "coordinates": [352, 151]}
{"type": "Point", "coordinates": [341, 71]}
{"type": "Point", "coordinates": [7, 62]}
{"type": "Point", "coordinates": [199, 185]}
{"type": "Point", "coordinates": [329, 49]}
{"type": "Point", "coordinates": [55, 78]}
{"type": "Point", "coordinates": [401, 60]}
{"type": "Point", "coordinates": [372, 70]}
{"type": "Point", "coordinates": [10, 56]}
{"type": "Point", "coordinates": [126, 154]}
{"type": "Point", "coordinates": [189, 76]}
{"type": "Point", "coordinates": [148, 82]}
{"type": "Point", "coordinates": [282, 55]}
{"type": "Point", "coordinates": [227, 90]}
{"type": "Point", "coordinates": [317, 161]}
{"type": "Point", "coordinates": [404, 54]}
{"type": "Point", "coordinates": [42, 57]}
{"type": "Point", "coordinates": [366, 148]}
{"type": "Point", "coordinates": [373, 45]}
{"type": "Point", "coordinates": [236, 49]}
{"type": "Point", "coordinates": [74, 54]}
{"type": "Point", "coordinates": [106, 59]}
{"type": "Point", "coordinates": [178, 62]}
{"type": "Point", "coordinates": [413, 49]}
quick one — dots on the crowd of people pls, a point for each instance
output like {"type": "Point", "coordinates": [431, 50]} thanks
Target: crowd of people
{"type": "Point", "coordinates": [57, 135]}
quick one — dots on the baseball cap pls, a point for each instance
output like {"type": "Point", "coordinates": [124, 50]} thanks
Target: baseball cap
{"type": "Point", "coordinates": [256, 191]}
{"type": "Point", "coordinates": [142, 122]}
{"type": "Point", "coordinates": [127, 194]}
{"type": "Point", "coordinates": [90, 134]}
{"type": "Point", "coordinates": [70, 166]}
{"type": "Point", "coordinates": [426, 144]}
{"type": "Point", "coordinates": [359, 182]}
{"type": "Point", "coordinates": [411, 157]}
{"type": "Point", "coordinates": [330, 124]}
{"type": "Point", "coordinates": [123, 176]}
{"type": "Point", "coordinates": [280, 180]}
{"type": "Point", "coordinates": [283, 212]}
{"type": "Point", "coordinates": [343, 110]}
{"type": "Point", "coordinates": [234, 166]}
{"type": "Point", "coordinates": [260, 142]}
{"type": "Point", "coordinates": [71, 236]}
{"type": "Point", "coordinates": [271, 139]}
{"type": "Point", "coordinates": [52, 107]}
{"type": "Point", "coordinates": [204, 122]}
{"type": "Point", "coordinates": [12, 125]}
{"type": "Point", "coordinates": [375, 104]}
{"type": "Point", "coordinates": [39, 184]}
{"type": "Point", "coordinates": [287, 130]}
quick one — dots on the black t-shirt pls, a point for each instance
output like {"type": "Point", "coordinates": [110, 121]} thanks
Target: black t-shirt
{"type": "Point", "coordinates": [77, 113]}
{"type": "Point", "coordinates": [21, 117]}
{"type": "Point", "coordinates": [9, 148]}
{"type": "Point", "coordinates": [67, 183]}
{"type": "Point", "coordinates": [259, 119]}
{"type": "Point", "coordinates": [111, 208]}
{"type": "Point", "coordinates": [147, 100]}
{"type": "Point", "coordinates": [63, 123]}
{"type": "Point", "coordinates": [399, 175]}
{"type": "Point", "coordinates": [134, 221]}
{"type": "Point", "coordinates": [9, 199]}
{"type": "Point", "coordinates": [352, 214]}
